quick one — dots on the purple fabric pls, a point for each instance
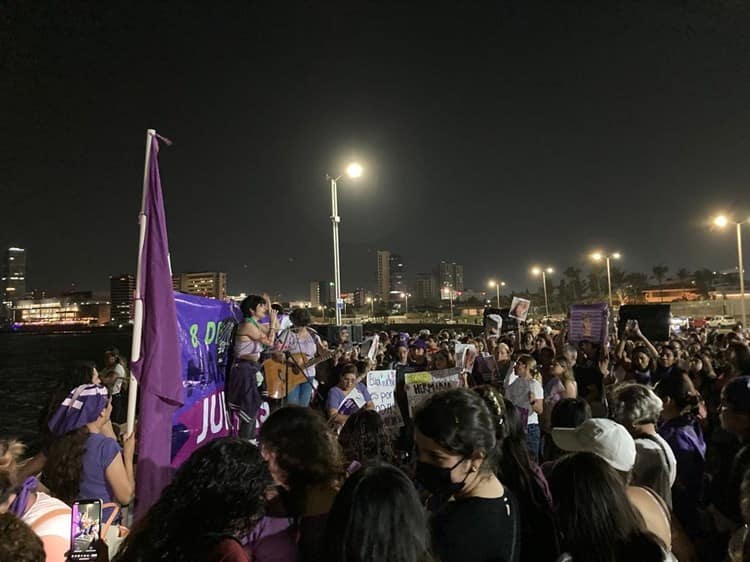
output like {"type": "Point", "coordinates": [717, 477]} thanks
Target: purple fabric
{"type": "Point", "coordinates": [82, 406]}
{"type": "Point", "coordinates": [18, 507]}
{"type": "Point", "coordinates": [99, 454]}
{"type": "Point", "coordinates": [158, 368]}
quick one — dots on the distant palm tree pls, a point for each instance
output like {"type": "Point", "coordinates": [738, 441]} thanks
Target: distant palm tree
{"type": "Point", "coordinates": [683, 274]}
{"type": "Point", "coordinates": [574, 275]}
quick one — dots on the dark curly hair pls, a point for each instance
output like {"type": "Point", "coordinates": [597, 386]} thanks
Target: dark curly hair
{"type": "Point", "coordinates": [217, 492]}
{"type": "Point", "coordinates": [459, 421]}
{"type": "Point", "coordinates": [19, 543]}
{"type": "Point", "coordinates": [64, 466]}
{"type": "Point", "coordinates": [304, 447]}
{"type": "Point", "coordinates": [363, 438]}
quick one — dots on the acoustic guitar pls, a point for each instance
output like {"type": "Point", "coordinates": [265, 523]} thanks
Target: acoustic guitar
{"type": "Point", "coordinates": [276, 372]}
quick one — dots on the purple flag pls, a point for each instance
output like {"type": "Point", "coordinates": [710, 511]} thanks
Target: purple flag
{"type": "Point", "coordinates": [158, 367]}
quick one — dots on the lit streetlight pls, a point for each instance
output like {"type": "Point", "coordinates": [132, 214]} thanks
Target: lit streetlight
{"type": "Point", "coordinates": [405, 296]}
{"type": "Point", "coordinates": [353, 170]}
{"type": "Point", "coordinates": [372, 306]}
{"type": "Point", "coordinates": [599, 256]}
{"type": "Point", "coordinates": [543, 272]}
{"type": "Point", "coordinates": [497, 285]}
{"type": "Point", "coordinates": [722, 221]}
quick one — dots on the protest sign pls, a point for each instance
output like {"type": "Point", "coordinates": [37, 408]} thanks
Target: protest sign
{"type": "Point", "coordinates": [588, 322]}
{"type": "Point", "coordinates": [465, 356]}
{"type": "Point", "coordinates": [382, 385]}
{"type": "Point", "coordinates": [519, 309]}
{"type": "Point", "coordinates": [420, 385]}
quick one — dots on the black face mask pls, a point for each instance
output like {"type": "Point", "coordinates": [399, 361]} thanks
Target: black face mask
{"type": "Point", "coordinates": [437, 479]}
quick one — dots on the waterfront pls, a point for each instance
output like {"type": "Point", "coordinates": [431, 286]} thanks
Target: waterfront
{"type": "Point", "coordinates": [30, 363]}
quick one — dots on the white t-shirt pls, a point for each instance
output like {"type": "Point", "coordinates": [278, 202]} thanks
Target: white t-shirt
{"type": "Point", "coordinates": [518, 393]}
{"type": "Point", "coordinates": [57, 526]}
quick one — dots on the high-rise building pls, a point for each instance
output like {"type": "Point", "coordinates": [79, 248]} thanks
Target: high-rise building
{"type": "Point", "coordinates": [204, 283]}
{"type": "Point", "coordinates": [397, 279]}
{"type": "Point", "coordinates": [384, 275]}
{"type": "Point", "coordinates": [425, 288]}
{"type": "Point", "coordinates": [314, 293]}
{"type": "Point", "coordinates": [450, 275]}
{"type": "Point", "coordinates": [121, 290]}
{"type": "Point", "coordinates": [322, 293]}
{"type": "Point", "coordinates": [13, 275]}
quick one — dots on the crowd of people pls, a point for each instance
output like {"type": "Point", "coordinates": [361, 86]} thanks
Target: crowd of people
{"type": "Point", "coordinates": [543, 450]}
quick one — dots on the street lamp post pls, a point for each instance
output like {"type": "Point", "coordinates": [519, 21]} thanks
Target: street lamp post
{"type": "Point", "coordinates": [354, 171]}
{"type": "Point", "coordinates": [406, 302]}
{"type": "Point", "coordinates": [543, 272]}
{"type": "Point", "coordinates": [721, 221]}
{"type": "Point", "coordinates": [497, 285]}
{"type": "Point", "coordinates": [372, 306]}
{"type": "Point", "coordinates": [598, 256]}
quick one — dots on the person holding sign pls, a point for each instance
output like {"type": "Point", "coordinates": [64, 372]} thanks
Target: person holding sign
{"type": "Point", "coordinates": [347, 397]}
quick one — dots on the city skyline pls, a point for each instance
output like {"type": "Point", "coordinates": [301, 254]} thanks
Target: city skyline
{"type": "Point", "coordinates": [497, 137]}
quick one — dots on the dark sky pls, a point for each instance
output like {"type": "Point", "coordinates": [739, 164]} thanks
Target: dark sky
{"type": "Point", "coordinates": [496, 135]}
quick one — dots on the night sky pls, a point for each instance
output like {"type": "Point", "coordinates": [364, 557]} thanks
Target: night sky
{"type": "Point", "coordinates": [497, 136]}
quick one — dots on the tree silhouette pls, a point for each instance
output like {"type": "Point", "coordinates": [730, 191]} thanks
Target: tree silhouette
{"type": "Point", "coordinates": [659, 272]}
{"type": "Point", "coordinates": [683, 274]}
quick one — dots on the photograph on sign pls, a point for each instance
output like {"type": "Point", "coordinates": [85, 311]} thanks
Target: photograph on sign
{"type": "Point", "coordinates": [519, 309]}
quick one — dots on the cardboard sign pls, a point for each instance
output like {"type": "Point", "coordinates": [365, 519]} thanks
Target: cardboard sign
{"type": "Point", "coordinates": [420, 385]}
{"type": "Point", "coordinates": [519, 309]}
{"type": "Point", "coordinates": [588, 322]}
{"type": "Point", "coordinates": [382, 385]}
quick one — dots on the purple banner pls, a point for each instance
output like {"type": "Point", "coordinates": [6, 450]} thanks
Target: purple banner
{"type": "Point", "coordinates": [206, 327]}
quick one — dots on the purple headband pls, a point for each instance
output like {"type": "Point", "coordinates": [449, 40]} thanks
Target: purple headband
{"type": "Point", "coordinates": [83, 405]}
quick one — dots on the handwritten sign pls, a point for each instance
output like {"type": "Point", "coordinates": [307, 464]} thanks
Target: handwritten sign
{"type": "Point", "coordinates": [420, 385]}
{"type": "Point", "coordinates": [382, 385]}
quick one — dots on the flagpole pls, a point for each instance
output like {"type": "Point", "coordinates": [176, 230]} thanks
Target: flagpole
{"type": "Point", "coordinates": [135, 350]}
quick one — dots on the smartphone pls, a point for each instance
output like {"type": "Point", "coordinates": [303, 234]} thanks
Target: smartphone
{"type": "Point", "coordinates": [85, 528]}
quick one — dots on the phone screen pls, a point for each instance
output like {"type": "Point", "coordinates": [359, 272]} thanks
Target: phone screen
{"type": "Point", "coordinates": [85, 528]}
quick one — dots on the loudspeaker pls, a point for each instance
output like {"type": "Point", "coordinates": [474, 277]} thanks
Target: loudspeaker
{"type": "Point", "coordinates": [653, 320]}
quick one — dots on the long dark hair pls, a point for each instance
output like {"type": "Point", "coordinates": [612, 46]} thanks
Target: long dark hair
{"type": "Point", "coordinates": [64, 466]}
{"type": "Point", "coordinates": [459, 421]}
{"type": "Point", "coordinates": [609, 527]}
{"type": "Point", "coordinates": [679, 389]}
{"type": "Point", "coordinates": [305, 449]}
{"type": "Point", "coordinates": [363, 438]}
{"type": "Point", "coordinates": [377, 516]}
{"type": "Point", "coordinates": [216, 493]}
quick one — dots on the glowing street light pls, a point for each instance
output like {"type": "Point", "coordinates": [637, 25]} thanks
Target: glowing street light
{"type": "Point", "coordinates": [599, 256]}
{"type": "Point", "coordinates": [406, 296]}
{"type": "Point", "coordinates": [497, 285]}
{"type": "Point", "coordinates": [536, 270]}
{"type": "Point", "coordinates": [353, 170]}
{"type": "Point", "coordinates": [372, 306]}
{"type": "Point", "coordinates": [722, 221]}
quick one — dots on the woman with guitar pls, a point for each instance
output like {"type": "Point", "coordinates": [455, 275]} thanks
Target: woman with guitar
{"type": "Point", "coordinates": [242, 393]}
{"type": "Point", "coordinates": [292, 374]}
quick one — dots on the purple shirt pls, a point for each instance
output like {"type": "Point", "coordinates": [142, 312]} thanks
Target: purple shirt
{"type": "Point", "coordinates": [336, 396]}
{"type": "Point", "coordinates": [99, 454]}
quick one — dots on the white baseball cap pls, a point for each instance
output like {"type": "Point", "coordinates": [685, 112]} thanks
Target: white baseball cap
{"type": "Point", "coordinates": [605, 438]}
